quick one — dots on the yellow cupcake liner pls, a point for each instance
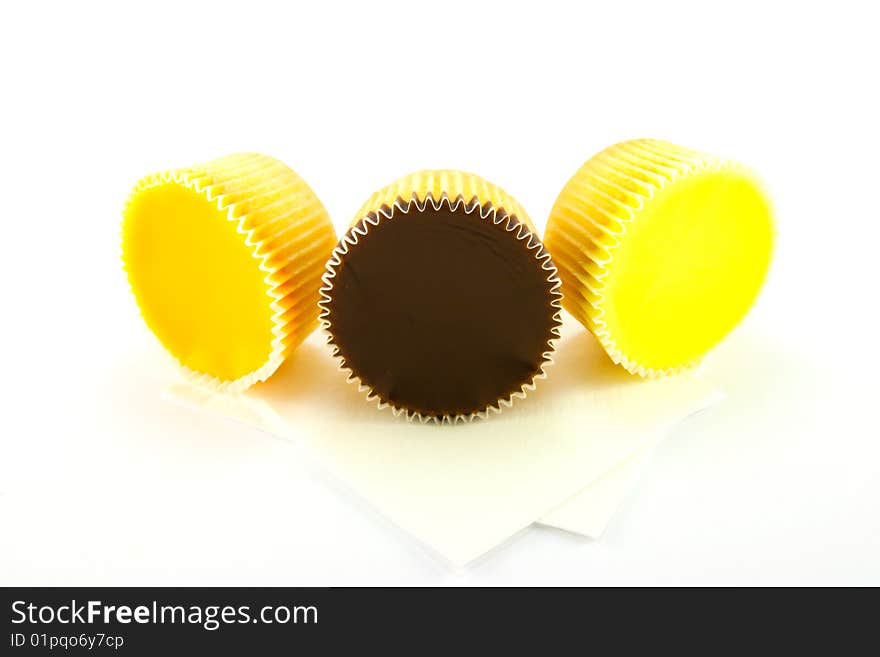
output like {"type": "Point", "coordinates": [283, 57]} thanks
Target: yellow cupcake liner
{"type": "Point", "coordinates": [225, 261]}
{"type": "Point", "coordinates": [661, 250]}
{"type": "Point", "coordinates": [453, 189]}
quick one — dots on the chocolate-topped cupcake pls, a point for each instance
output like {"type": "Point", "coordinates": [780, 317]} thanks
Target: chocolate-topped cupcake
{"type": "Point", "coordinates": [440, 300]}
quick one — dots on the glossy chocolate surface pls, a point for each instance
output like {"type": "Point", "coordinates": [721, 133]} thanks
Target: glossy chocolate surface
{"type": "Point", "coordinates": [442, 312]}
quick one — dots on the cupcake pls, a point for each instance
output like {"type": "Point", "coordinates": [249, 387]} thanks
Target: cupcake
{"type": "Point", "coordinates": [225, 261]}
{"type": "Point", "coordinates": [440, 301]}
{"type": "Point", "coordinates": [661, 250]}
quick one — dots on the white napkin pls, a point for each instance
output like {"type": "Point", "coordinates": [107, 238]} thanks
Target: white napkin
{"type": "Point", "coordinates": [590, 511]}
{"type": "Point", "coordinates": [462, 490]}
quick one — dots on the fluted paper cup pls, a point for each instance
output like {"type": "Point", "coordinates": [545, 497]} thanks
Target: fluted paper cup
{"type": "Point", "coordinates": [225, 262]}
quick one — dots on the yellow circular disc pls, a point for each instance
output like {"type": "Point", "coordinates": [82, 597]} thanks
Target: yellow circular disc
{"type": "Point", "coordinates": [661, 250]}
{"type": "Point", "coordinates": [224, 260]}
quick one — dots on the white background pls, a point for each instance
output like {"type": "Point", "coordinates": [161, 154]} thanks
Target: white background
{"type": "Point", "coordinates": [101, 482]}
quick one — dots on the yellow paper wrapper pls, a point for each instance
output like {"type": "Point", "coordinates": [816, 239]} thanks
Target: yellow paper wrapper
{"type": "Point", "coordinates": [478, 201]}
{"type": "Point", "coordinates": [225, 262]}
{"type": "Point", "coordinates": [661, 250]}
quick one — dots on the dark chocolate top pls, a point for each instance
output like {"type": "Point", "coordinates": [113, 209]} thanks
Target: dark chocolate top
{"type": "Point", "coordinates": [442, 312]}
